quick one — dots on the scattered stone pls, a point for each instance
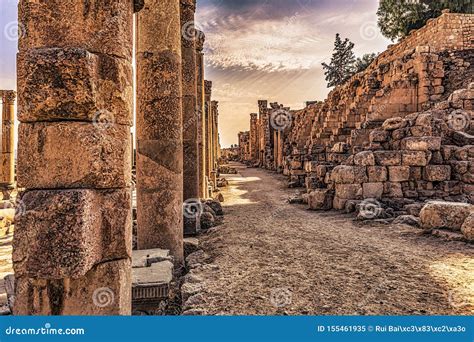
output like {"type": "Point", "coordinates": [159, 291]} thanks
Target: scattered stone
{"type": "Point", "coordinates": [407, 219]}
{"type": "Point", "coordinates": [449, 215]}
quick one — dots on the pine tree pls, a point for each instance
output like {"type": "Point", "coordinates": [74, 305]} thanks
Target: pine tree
{"type": "Point", "coordinates": [341, 67]}
{"type": "Point", "coordinates": [398, 17]}
{"type": "Point", "coordinates": [363, 62]}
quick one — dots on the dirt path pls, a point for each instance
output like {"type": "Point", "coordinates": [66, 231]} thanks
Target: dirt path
{"type": "Point", "coordinates": [271, 257]}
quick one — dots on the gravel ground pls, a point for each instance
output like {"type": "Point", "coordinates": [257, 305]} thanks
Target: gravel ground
{"type": "Point", "coordinates": [270, 257]}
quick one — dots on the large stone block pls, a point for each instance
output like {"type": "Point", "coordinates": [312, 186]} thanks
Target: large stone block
{"type": "Point", "coordinates": [437, 173]}
{"type": "Point", "coordinates": [74, 84]}
{"type": "Point", "coordinates": [98, 26]}
{"type": "Point", "coordinates": [160, 102]}
{"type": "Point", "coordinates": [399, 173]}
{"type": "Point", "coordinates": [372, 190]}
{"type": "Point", "coordinates": [365, 158]}
{"type": "Point", "coordinates": [73, 155]}
{"type": "Point", "coordinates": [468, 227]}
{"type": "Point", "coordinates": [104, 290]}
{"type": "Point", "coordinates": [388, 158]}
{"type": "Point", "coordinates": [349, 191]}
{"type": "Point", "coordinates": [377, 174]}
{"type": "Point", "coordinates": [64, 233]}
{"type": "Point", "coordinates": [320, 199]}
{"type": "Point", "coordinates": [450, 215]}
{"type": "Point", "coordinates": [416, 158]}
{"type": "Point", "coordinates": [391, 189]}
{"type": "Point", "coordinates": [344, 174]}
{"type": "Point", "coordinates": [421, 143]}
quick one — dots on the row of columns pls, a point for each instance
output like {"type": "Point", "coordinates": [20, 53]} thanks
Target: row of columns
{"type": "Point", "coordinates": [72, 242]}
{"type": "Point", "coordinates": [7, 153]}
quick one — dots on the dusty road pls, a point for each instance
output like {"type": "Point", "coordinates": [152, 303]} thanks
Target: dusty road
{"type": "Point", "coordinates": [271, 257]}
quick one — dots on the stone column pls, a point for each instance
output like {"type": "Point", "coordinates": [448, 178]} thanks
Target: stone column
{"type": "Point", "coordinates": [200, 38]}
{"type": "Point", "coordinates": [190, 114]}
{"type": "Point", "coordinates": [73, 228]}
{"type": "Point", "coordinates": [7, 151]}
{"type": "Point", "coordinates": [159, 128]}
{"type": "Point", "coordinates": [214, 133]}
{"type": "Point", "coordinates": [253, 137]}
{"type": "Point", "coordinates": [208, 130]}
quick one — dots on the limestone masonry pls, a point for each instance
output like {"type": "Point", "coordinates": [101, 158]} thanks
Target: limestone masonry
{"type": "Point", "coordinates": [390, 139]}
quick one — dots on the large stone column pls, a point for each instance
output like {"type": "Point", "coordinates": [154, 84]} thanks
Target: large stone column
{"type": "Point", "coordinates": [7, 151]}
{"type": "Point", "coordinates": [159, 128]}
{"type": "Point", "coordinates": [208, 131]}
{"type": "Point", "coordinates": [73, 229]}
{"type": "Point", "coordinates": [200, 38]}
{"type": "Point", "coordinates": [214, 137]}
{"type": "Point", "coordinates": [190, 113]}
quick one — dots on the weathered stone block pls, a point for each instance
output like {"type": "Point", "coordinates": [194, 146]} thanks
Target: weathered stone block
{"type": "Point", "coordinates": [392, 189]}
{"type": "Point", "coordinates": [388, 158]}
{"type": "Point", "coordinates": [450, 215]}
{"type": "Point", "coordinates": [99, 26]}
{"type": "Point", "coordinates": [104, 290]}
{"type": "Point", "coordinates": [74, 84]}
{"type": "Point", "coordinates": [378, 136]}
{"type": "Point", "coordinates": [365, 158]}
{"type": "Point", "coordinates": [394, 123]}
{"type": "Point", "coordinates": [416, 158]}
{"type": "Point", "coordinates": [349, 191]}
{"type": "Point", "coordinates": [339, 203]}
{"type": "Point", "coordinates": [468, 227]}
{"type": "Point", "coordinates": [320, 199]}
{"type": "Point", "coordinates": [437, 173]}
{"type": "Point", "coordinates": [421, 143]}
{"type": "Point", "coordinates": [399, 173]}
{"type": "Point", "coordinates": [73, 155]}
{"type": "Point", "coordinates": [165, 67]}
{"type": "Point", "coordinates": [377, 174]}
{"type": "Point", "coordinates": [372, 190]}
{"type": "Point", "coordinates": [344, 174]}
{"type": "Point", "coordinates": [64, 233]}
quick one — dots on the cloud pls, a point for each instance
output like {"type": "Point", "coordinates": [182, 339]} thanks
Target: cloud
{"type": "Point", "coordinates": [274, 49]}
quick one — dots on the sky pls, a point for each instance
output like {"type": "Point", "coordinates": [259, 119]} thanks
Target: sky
{"type": "Point", "coordinates": [255, 50]}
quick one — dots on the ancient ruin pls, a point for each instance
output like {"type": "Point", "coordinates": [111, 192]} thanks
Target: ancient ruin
{"type": "Point", "coordinates": [73, 223]}
{"type": "Point", "coordinates": [390, 139]}
{"type": "Point", "coordinates": [113, 216]}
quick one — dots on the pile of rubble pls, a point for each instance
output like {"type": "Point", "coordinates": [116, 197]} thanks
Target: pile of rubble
{"type": "Point", "coordinates": [409, 161]}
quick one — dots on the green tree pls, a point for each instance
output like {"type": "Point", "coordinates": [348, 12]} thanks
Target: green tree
{"type": "Point", "coordinates": [363, 62]}
{"type": "Point", "coordinates": [341, 67]}
{"type": "Point", "coordinates": [396, 18]}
